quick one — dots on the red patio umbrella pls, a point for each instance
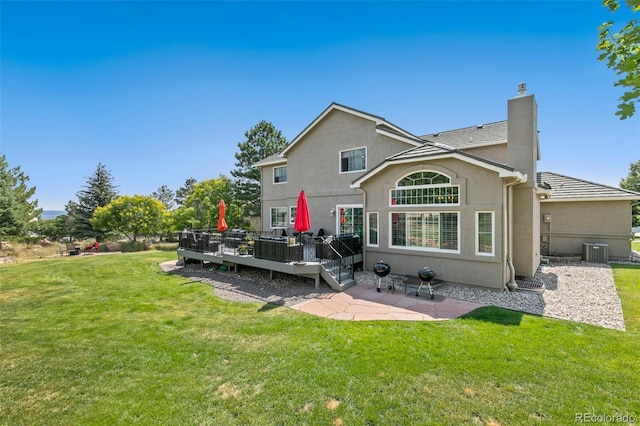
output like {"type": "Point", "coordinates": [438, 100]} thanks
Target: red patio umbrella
{"type": "Point", "coordinates": [303, 221]}
{"type": "Point", "coordinates": [222, 224]}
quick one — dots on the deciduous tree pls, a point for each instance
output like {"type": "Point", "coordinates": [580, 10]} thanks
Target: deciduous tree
{"type": "Point", "coordinates": [262, 141]}
{"type": "Point", "coordinates": [632, 183]}
{"type": "Point", "coordinates": [132, 216]}
{"type": "Point", "coordinates": [200, 209]}
{"type": "Point", "coordinates": [621, 51]}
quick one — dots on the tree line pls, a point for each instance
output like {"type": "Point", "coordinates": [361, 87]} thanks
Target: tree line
{"type": "Point", "coordinates": [100, 212]}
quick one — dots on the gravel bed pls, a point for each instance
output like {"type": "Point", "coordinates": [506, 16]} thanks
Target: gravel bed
{"type": "Point", "coordinates": [253, 284]}
{"type": "Point", "coordinates": [581, 292]}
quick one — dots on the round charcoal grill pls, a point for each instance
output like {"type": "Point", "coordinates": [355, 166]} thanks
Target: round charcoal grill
{"type": "Point", "coordinates": [426, 275]}
{"type": "Point", "coordinates": [381, 269]}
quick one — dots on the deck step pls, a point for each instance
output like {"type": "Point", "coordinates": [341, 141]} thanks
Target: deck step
{"type": "Point", "coordinates": [337, 284]}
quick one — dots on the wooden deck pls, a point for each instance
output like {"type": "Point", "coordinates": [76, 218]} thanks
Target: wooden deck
{"type": "Point", "coordinates": [312, 270]}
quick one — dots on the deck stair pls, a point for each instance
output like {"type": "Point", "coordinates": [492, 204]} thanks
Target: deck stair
{"type": "Point", "coordinates": [339, 278]}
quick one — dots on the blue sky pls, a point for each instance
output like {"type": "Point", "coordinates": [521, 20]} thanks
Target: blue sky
{"type": "Point", "coordinates": [163, 91]}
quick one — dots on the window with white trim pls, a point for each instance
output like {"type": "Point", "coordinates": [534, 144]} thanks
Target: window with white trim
{"type": "Point", "coordinates": [425, 188]}
{"type": "Point", "coordinates": [485, 233]}
{"type": "Point", "coordinates": [434, 231]}
{"type": "Point", "coordinates": [280, 174]}
{"type": "Point", "coordinates": [372, 227]}
{"type": "Point", "coordinates": [353, 160]}
{"type": "Point", "coordinates": [278, 217]}
{"type": "Point", "coordinates": [292, 214]}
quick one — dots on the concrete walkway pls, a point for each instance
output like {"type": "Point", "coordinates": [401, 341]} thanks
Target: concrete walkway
{"type": "Point", "coordinates": [364, 303]}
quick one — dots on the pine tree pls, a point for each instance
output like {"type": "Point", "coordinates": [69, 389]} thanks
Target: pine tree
{"type": "Point", "coordinates": [166, 196]}
{"type": "Point", "coordinates": [186, 190]}
{"type": "Point", "coordinates": [98, 192]}
{"type": "Point", "coordinates": [15, 208]}
{"type": "Point", "coordinates": [262, 141]}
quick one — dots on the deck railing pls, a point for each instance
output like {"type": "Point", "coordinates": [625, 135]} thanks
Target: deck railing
{"type": "Point", "coordinates": [335, 253]}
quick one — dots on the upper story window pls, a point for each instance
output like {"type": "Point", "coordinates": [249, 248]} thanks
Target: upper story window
{"type": "Point", "coordinates": [353, 160]}
{"type": "Point", "coordinates": [425, 188]}
{"type": "Point", "coordinates": [280, 174]}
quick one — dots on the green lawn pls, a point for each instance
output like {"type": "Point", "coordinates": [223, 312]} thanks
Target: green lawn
{"type": "Point", "coordinates": [113, 340]}
{"type": "Point", "coordinates": [635, 244]}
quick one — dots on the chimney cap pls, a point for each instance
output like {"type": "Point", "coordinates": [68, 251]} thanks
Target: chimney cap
{"type": "Point", "coordinates": [522, 89]}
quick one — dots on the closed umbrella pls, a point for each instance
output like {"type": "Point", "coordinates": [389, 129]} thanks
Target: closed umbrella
{"type": "Point", "coordinates": [222, 224]}
{"type": "Point", "coordinates": [303, 221]}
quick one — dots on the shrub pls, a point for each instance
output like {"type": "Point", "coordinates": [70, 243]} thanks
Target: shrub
{"type": "Point", "coordinates": [112, 246]}
{"type": "Point", "coordinates": [131, 246]}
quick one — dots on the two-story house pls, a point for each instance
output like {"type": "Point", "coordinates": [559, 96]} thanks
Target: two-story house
{"type": "Point", "coordinates": [469, 203]}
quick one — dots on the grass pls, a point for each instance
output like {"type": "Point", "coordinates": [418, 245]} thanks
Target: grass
{"type": "Point", "coordinates": [113, 340]}
{"type": "Point", "coordinates": [635, 244]}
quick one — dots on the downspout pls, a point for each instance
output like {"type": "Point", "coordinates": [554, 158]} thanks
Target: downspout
{"type": "Point", "coordinates": [365, 231]}
{"type": "Point", "coordinates": [507, 204]}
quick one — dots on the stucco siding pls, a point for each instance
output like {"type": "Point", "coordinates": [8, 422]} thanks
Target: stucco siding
{"type": "Point", "coordinates": [480, 190]}
{"type": "Point", "coordinates": [314, 162]}
{"type": "Point", "coordinates": [497, 152]}
{"type": "Point", "coordinates": [313, 165]}
{"type": "Point", "coordinates": [526, 228]}
{"type": "Point", "coordinates": [572, 223]}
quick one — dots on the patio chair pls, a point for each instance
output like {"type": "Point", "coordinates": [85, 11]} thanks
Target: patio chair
{"type": "Point", "coordinates": [92, 248]}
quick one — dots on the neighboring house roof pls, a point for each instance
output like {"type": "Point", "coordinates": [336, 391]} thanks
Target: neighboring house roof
{"type": "Point", "coordinates": [382, 126]}
{"type": "Point", "coordinates": [564, 188]}
{"type": "Point", "coordinates": [436, 151]}
{"type": "Point", "coordinates": [468, 137]}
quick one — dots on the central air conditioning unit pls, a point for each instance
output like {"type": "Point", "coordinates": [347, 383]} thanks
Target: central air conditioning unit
{"type": "Point", "coordinates": [595, 253]}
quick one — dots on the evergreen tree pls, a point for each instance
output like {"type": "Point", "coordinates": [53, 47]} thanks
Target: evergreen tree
{"type": "Point", "coordinates": [15, 208]}
{"type": "Point", "coordinates": [11, 220]}
{"type": "Point", "coordinates": [186, 190]}
{"type": "Point", "coordinates": [165, 196]}
{"type": "Point", "coordinates": [262, 141]}
{"type": "Point", "coordinates": [98, 192]}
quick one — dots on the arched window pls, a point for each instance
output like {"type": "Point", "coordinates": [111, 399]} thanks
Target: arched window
{"type": "Point", "coordinates": [425, 188]}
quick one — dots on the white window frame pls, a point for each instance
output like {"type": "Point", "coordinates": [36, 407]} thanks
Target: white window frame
{"type": "Point", "coordinates": [274, 175]}
{"type": "Point", "coordinates": [423, 249]}
{"type": "Point", "coordinates": [493, 233]}
{"type": "Point", "coordinates": [276, 226]}
{"type": "Point", "coordinates": [366, 160]}
{"type": "Point", "coordinates": [348, 206]}
{"type": "Point", "coordinates": [431, 186]}
{"type": "Point", "coordinates": [292, 214]}
{"type": "Point", "coordinates": [377, 229]}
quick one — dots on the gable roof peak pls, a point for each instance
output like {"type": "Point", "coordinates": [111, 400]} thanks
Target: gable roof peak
{"type": "Point", "coordinates": [380, 122]}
